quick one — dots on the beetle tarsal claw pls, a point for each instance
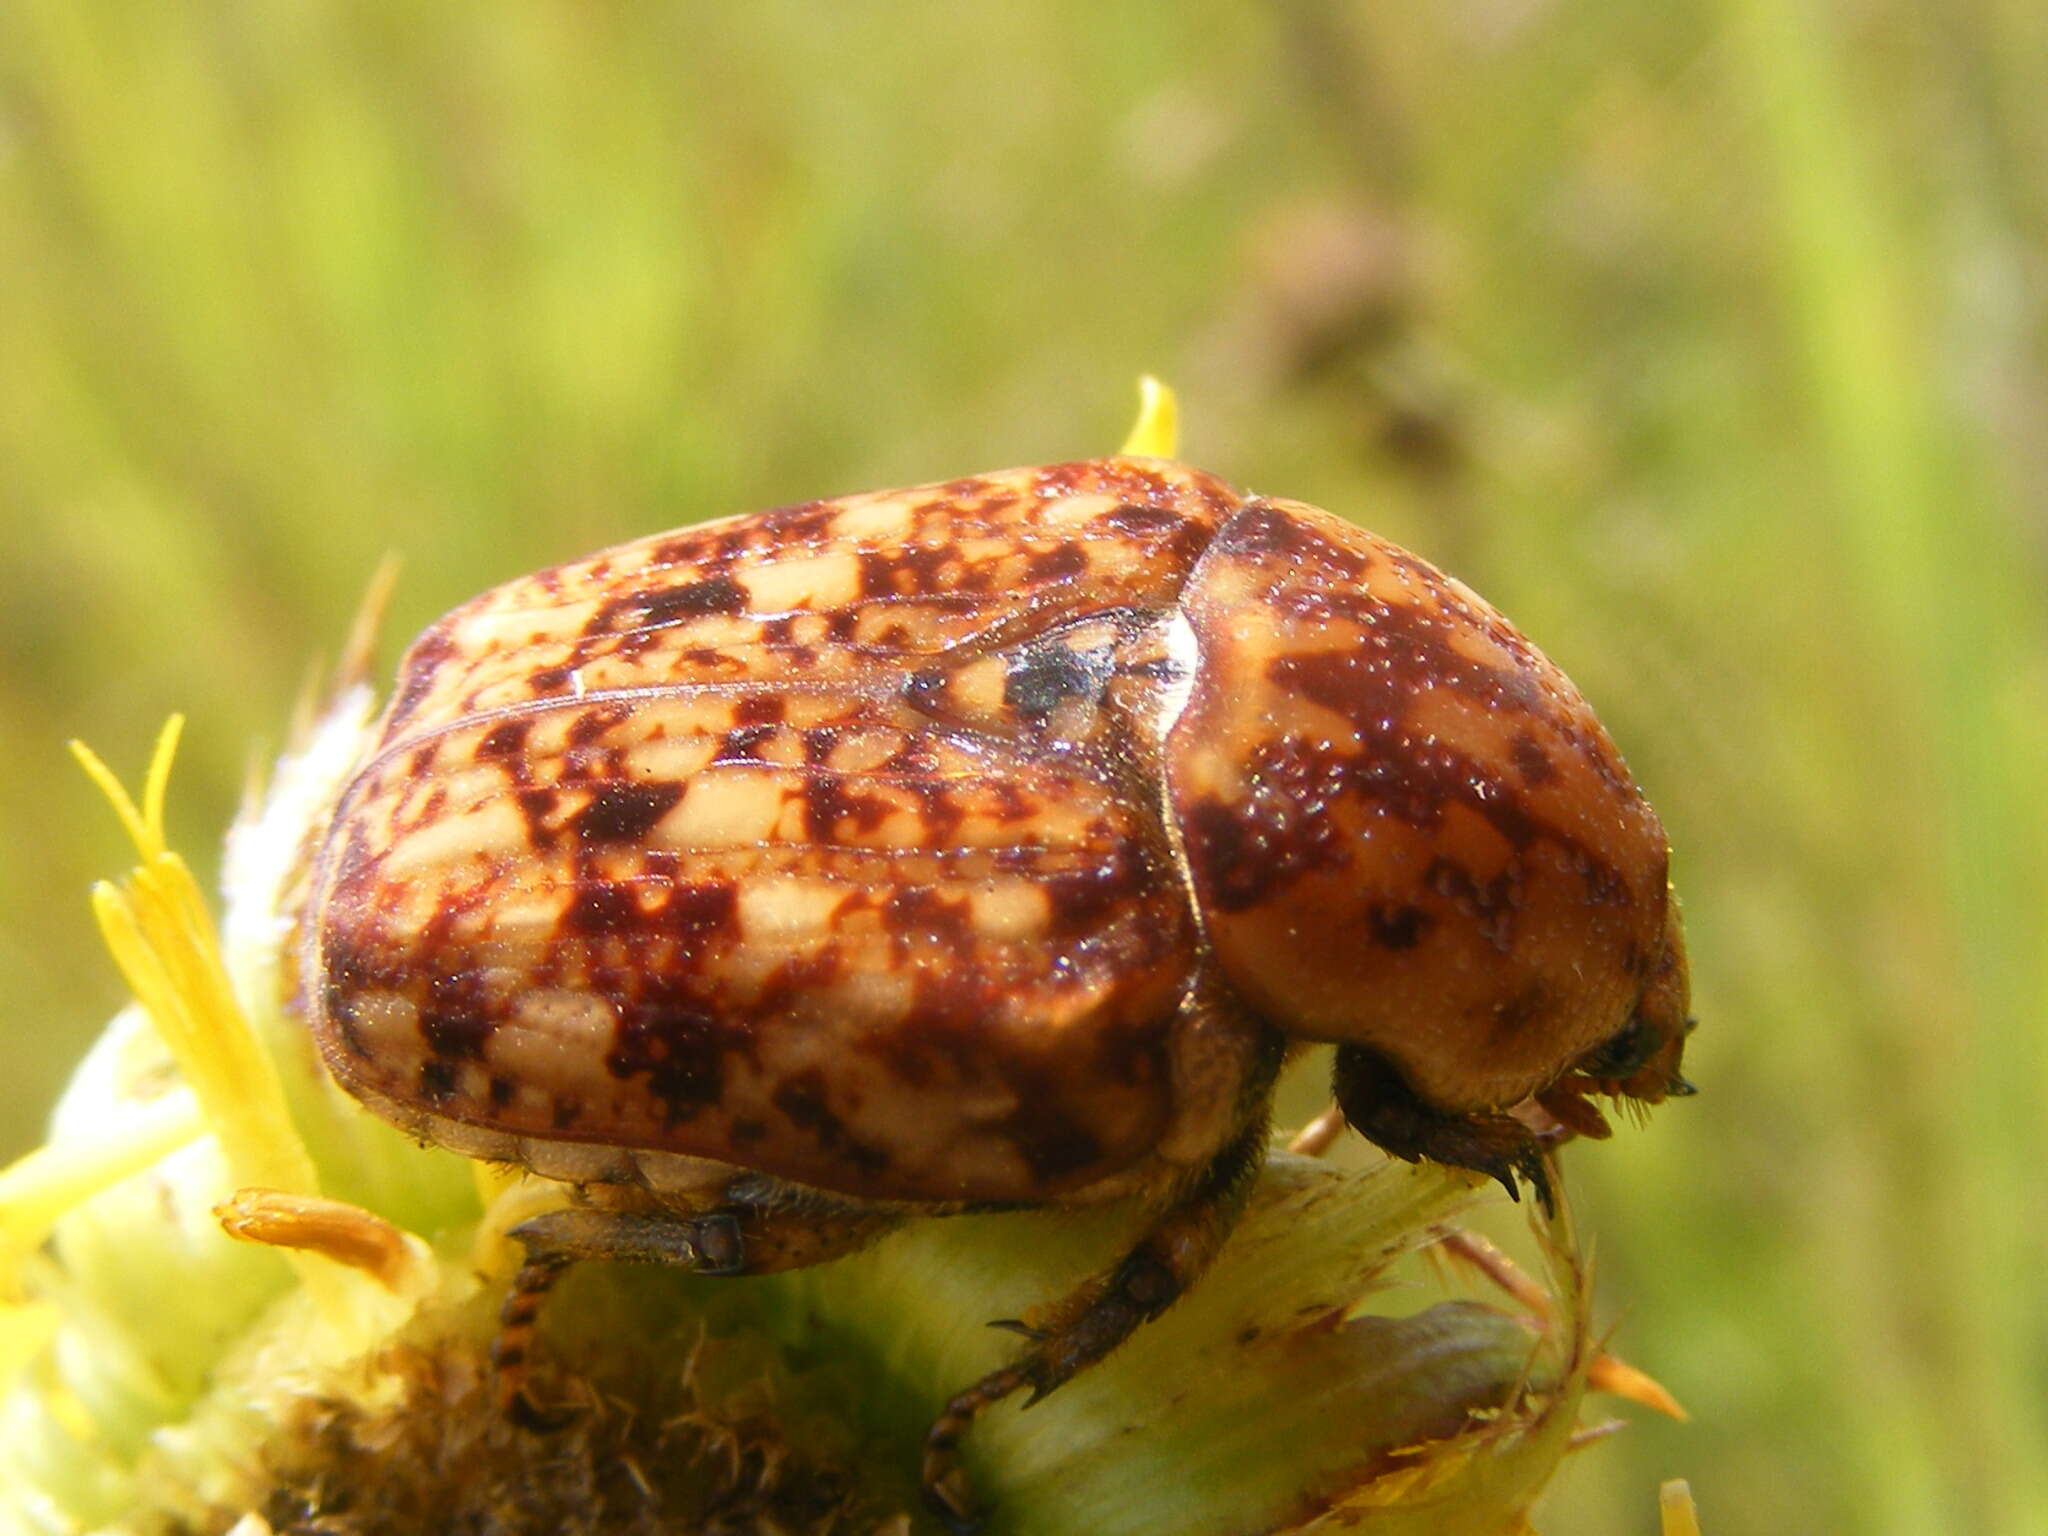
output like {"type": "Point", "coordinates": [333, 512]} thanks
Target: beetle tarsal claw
{"type": "Point", "coordinates": [1019, 1327]}
{"type": "Point", "coordinates": [1533, 1167]}
{"type": "Point", "coordinates": [954, 1504]}
{"type": "Point", "coordinates": [529, 1415]}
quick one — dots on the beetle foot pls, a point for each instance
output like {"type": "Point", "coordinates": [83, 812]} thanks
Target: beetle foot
{"type": "Point", "coordinates": [513, 1347]}
{"type": "Point", "coordinates": [1083, 1327]}
{"type": "Point", "coordinates": [1019, 1327]}
{"type": "Point", "coordinates": [947, 1491]}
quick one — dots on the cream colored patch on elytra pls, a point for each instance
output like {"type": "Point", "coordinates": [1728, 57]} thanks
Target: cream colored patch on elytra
{"type": "Point", "coordinates": [865, 751]}
{"type": "Point", "coordinates": [525, 915]}
{"type": "Point", "coordinates": [904, 828]}
{"type": "Point", "coordinates": [487, 831]}
{"type": "Point", "coordinates": [711, 631]}
{"type": "Point", "coordinates": [727, 807]}
{"type": "Point", "coordinates": [481, 632]}
{"type": "Point", "coordinates": [1073, 511]}
{"type": "Point", "coordinates": [1011, 911]}
{"type": "Point", "coordinates": [786, 910]}
{"type": "Point", "coordinates": [671, 760]}
{"type": "Point", "coordinates": [388, 1027]}
{"type": "Point", "coordinates": [977, 688]}
{"type": "Point", "coordinates": [883, 519]}
{"type": "Point", "coordinates": [827, 581]}
{"type": "Point", "coordinates": [556, 1040]}
{"type": "Point", "coordinates": [876, 995]}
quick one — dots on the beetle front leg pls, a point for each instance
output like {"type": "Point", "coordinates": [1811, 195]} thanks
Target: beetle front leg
{"type": "Point", "coordinates": [1083, 1327]}
{"type": "Point", "coordinates": [731, 1239]}
{"type": "Point", "coordinates": [1383, 1109]}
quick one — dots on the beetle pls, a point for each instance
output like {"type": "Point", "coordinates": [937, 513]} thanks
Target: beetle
{"type": "Point", "coordinates": [982, 845]}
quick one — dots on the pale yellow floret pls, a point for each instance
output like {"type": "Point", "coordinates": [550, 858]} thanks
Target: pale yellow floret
{"type": "Point", "coordinates": [1156, 432]}
{"type": "Point", "coordinates": [25, 1329]}
{"type": "Point", "coordinates": [1675, 1509]}
{"type": "Point", "coordinates": [157, 928]}
{"type": "Point", "coordinates": [41, 1187]}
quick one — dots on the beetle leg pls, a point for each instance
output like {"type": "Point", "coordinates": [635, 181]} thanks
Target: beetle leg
{"type": "Point", "coordinates": [511, 1350]}
{"type": "Point", "coordinates": [1083, 1327]}
{"type": "Point", "coordinates": [1385, 1110]}
{"type": "Point", "coordinates": [728, 1240]}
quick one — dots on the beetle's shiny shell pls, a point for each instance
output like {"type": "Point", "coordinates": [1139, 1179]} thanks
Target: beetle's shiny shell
{"type": "Point", "coordinates": [880, 843]}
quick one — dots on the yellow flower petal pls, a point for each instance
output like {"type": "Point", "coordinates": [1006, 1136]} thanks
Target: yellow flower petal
{"type": "Point", "coordinates": [1156, 432]}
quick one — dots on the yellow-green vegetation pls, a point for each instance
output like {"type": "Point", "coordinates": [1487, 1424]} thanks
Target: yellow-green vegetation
{"type": "Point", "coordinates": [1705, 338]}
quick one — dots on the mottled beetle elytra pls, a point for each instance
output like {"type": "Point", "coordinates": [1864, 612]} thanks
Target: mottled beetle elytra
{"type": "Point", "coordinates": [978, 845]}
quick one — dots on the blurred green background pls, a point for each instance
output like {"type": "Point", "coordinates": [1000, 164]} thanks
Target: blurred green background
{"type": "Point", "coordinates": [1705, 337]}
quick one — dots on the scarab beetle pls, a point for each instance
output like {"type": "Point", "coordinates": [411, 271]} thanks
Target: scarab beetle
{"type": "Point", "coordinates": [982, 845]}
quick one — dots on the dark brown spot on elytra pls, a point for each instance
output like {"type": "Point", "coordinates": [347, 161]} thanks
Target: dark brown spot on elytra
{"type": "Point", "coordinates": [1061, 562]}
{"type": "Point", "coordinates": [672, 605]}
{"type": "Point", "coordinates": [744, 744]}
{"type": "Point", "coordinates": [538, 807]}
{"type": "Point", "coordinates": [678, 1051]}
{"type": "Point", "coordinates": [1275, 537]}
{"type": "Point", "coordinates": [925, 690]}
{"type": "Point", "coordinates": [625, 813]}
{"type": "Point", "coordinates": [921, 914]}
{"type": "Point", "coordinates": [505, 739]}
{"type": "Point", "coordinates": [1140, 520]}
{"type": "Point", "coordinates": [421, 670]}
{"type": "Point", "coordinates": [1054, 1144]}
{"type": "Point", "coordinates": [599, 909]}
{"type": "Point", "coordinates": [836, 813]}
{"type": "Point", "coordinates": [1081, 897]}
{"type": "Point", "coordinates": [700, 909]}
{"type": "Point", "coordinates": [802, 1099]}
{"type": "Point", "coordinates": [591, 723]}
{"type": "Point", "coordinates": [458, 1029]}
{"type": "Point", "coordinates": [437, 1082]}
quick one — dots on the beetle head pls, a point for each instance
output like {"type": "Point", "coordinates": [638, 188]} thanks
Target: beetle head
{"type": "Point", "coordinates": [1639, 1063]}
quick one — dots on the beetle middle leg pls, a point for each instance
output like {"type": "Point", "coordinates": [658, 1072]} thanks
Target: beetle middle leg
{"type": "Point", "coordinates": [774, 1229]}
{"type": "Point", "coordinates": [1381, 1107]}
{"type": "Point", "coordinates": [1083, 1327]}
